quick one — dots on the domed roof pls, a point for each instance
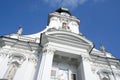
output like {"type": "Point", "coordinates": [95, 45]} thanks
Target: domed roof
{"type": "Point", "coordinates": [62, 9]}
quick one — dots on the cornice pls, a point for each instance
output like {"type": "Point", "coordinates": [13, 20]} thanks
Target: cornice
{"type": "Point", "coordinates": [72, 18]}
{"type": "Point", "coordinates": [19, 43]}
{"type": "Point", "coordinates": [66, 38]}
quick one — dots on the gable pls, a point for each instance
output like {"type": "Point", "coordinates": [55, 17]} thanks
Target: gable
{"type": "Point", "coordinates": [66, 38]}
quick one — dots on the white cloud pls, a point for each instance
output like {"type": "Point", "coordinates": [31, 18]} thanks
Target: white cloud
{"type": "Point", "coordinates": [98, 0]}
{"type": "Point", "coordinates": [66, 3]}
{"type": "Point", "coordinates": [69, 3]}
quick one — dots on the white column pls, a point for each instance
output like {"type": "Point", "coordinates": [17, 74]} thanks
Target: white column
{"type": "Point", "coordinates": [46, 64]}
{"type": "Point", "coordinates": [85, 69]}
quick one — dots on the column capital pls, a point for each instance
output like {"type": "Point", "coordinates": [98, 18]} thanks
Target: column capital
{"type": "Point", "coordinates": [86, 58]}
{"type": "Point", "coordinates": [33, 59]}
{"type": "Point", "coordinates": [48, 49]}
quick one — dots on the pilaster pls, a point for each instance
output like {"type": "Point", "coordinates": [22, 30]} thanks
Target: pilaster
{"type": "Point", "coordinates": [85, 69]}
{"type": "Point", "coordinates": [46, 63]}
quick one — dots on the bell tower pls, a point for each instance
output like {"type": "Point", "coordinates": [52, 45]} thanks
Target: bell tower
{"type": "Point", "coordinates": [62, 19]}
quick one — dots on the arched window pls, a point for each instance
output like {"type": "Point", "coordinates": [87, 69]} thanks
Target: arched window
{"type": "Point", "coordinates": [104, 75]}
{"type": "Point", "coordinates": [15, 61]}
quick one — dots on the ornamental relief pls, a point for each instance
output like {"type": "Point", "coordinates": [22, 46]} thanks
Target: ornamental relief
{"type": "Point", "coordinates": [14, 51]}
{"type": "Point", "coordinates": [117, 74]}
{"type": "Point", "coordinates": [4, 52]}
{"type": "Point", "coordinates": [104, 75]}
{"type": "Point", "coordinates": [95, 67]}
{"type": "Point", "coordinates": [13, 55]}
{"type": "Point", "coordinates": [108, 74]}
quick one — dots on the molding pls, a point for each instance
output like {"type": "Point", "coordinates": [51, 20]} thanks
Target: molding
{"type": "Point", "coordinates": [16, 43]}
{"type": "Point", "coordinates": [19, 58]}
{"type": "Point", "coordinates": [72, 18]}
{"type": "Point", "coordinates": [11, 50]}
{"type": "Point", "coordinates": [65, 38]}
{"type": "Point", "coordinates": [19, 55]}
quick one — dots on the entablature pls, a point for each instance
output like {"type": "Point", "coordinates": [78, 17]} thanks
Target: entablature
{"type": "Point", "coordinates": [17, 43]}
{"type": "Point", "coordinates": [65, 50]}
{"type": "Point", "coordinates": [23, 38]}
{"type": "Point", "coordinates": [105, 61]}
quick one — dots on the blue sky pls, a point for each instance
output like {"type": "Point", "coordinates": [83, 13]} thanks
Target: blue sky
{"type": "Point", "coordinates": [100, 19]}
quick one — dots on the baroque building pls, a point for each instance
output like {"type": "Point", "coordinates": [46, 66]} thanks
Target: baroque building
{"type": "Point", "coordinates": [59, 52]}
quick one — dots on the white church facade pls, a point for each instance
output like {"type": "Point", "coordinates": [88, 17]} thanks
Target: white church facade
{"type": "Point", "coordinates": [59, 52]}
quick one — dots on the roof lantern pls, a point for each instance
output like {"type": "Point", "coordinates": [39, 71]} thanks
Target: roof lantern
{"type": "Point", "coordinates": [62, 9]}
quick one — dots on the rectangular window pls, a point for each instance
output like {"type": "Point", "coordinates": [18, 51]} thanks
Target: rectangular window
{"type": "Point", "coordinates": [53, 74]}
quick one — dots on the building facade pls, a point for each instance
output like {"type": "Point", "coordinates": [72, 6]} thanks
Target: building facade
{"type": "Point", "coordinates": [59, 52]}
